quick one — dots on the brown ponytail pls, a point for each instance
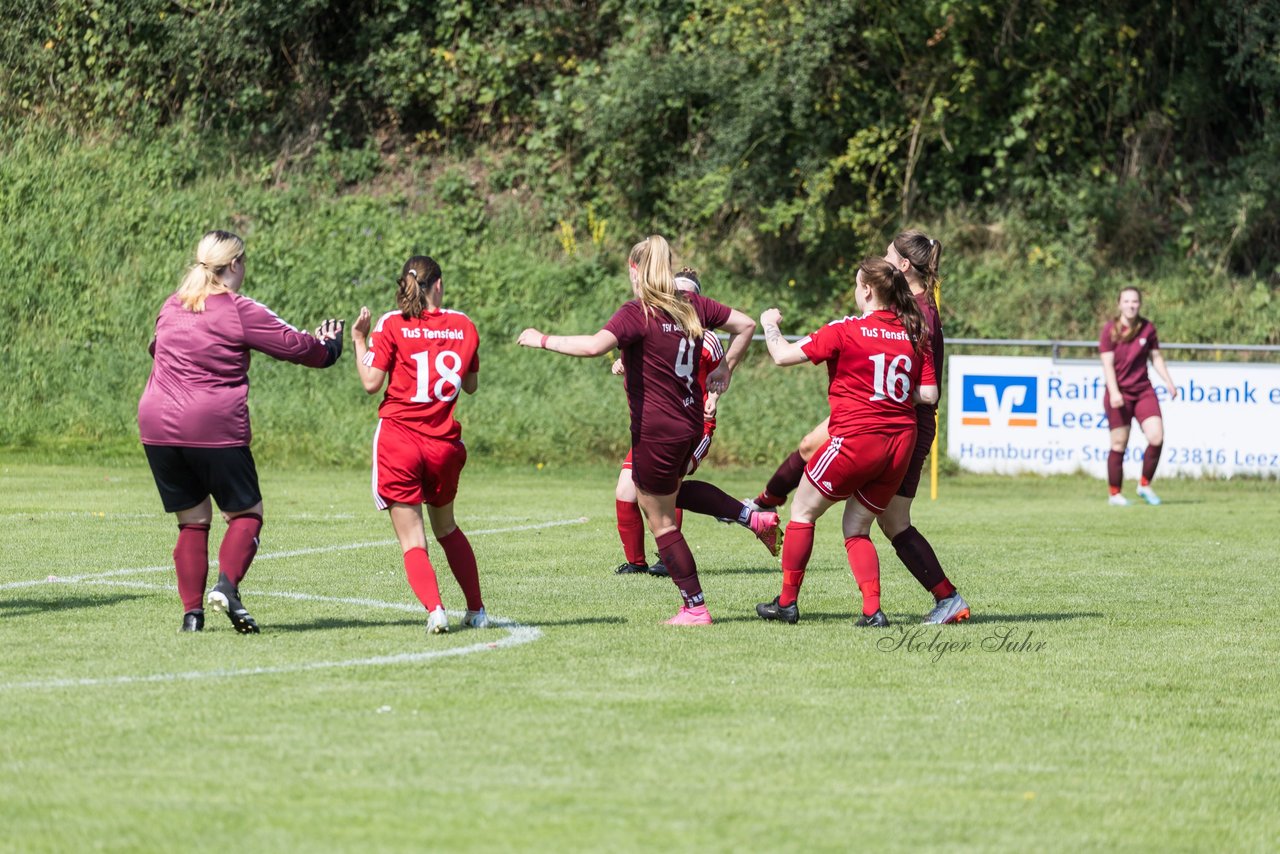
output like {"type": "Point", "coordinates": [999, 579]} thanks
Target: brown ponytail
{"type": "Point", "coordinates": [925, 255]}
{"type": "Point", "coordinates": [892, 291]}
{"type": "Point", "coordinates": [413, 288]}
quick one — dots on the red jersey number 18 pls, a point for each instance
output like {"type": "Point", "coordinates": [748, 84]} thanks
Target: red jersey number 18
{"type": "Point", "coordinates": [894, 383]}
{"type": "Point", "coordinates": [448, 364]}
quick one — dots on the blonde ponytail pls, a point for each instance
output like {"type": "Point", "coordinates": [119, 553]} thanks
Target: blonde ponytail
{"type": "Point", "coordinates": [216, 251]}
{"type": "Point", "coordinates": [656, 285]}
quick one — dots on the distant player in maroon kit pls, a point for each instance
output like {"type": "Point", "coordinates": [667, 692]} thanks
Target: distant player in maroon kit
{"type": "Point", "coordinates": [660, 334]}
{"type": "Point", "coordinates": [1128, 341]}
{"type": "Point", "coordinates": [880, 367]}
{"type": "Point", "coordinates": [917, 256]}
{"type": "Point", "coordinates": [193, 418]}
{"type": "Point", "coordinates": [431, 354]}
{"type": "Point", "coordinates": [627, 507]}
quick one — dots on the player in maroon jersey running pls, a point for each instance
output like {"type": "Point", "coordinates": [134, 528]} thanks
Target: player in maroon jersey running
{"type": "Point", "coordinates": [660, 334]}
{"type": "Point", "coordinates": [880, 367]}
{"type": "Point", "coordinates": [627, 508]}
{"type": "Point", "coordinates": [1127, 342]}
{"type": "Point", "coordinates": [193, 418]}
{"type": "Point", "coordinates": [431, 355]}
{"type": "Point", "coordinates": [917, 256]}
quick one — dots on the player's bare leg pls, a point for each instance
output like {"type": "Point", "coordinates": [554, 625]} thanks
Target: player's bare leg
{"type": "Point", "coordinates": [788, 476]}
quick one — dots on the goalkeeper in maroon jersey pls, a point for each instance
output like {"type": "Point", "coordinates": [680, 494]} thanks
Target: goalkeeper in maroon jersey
{"type": "Point", "coordinates": [193, 419]}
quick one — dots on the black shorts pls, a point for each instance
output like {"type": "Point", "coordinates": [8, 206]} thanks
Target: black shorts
{"type": "Point", "coordinates": [187, 476]}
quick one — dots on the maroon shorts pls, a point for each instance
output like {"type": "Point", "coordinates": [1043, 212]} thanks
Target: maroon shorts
{"type": "Point", "coordinates": [926, 429]}
{"type": "Point", "coordinates": [1142, 405]}
{"type": "Point", "coordinates": [868, 467]}
{"type": "Point", "coordinates": [699, 453]}
{"type": "Point", "coordinates": [657, 467]}
{"type": "Point", "coordinates": [410, 468]}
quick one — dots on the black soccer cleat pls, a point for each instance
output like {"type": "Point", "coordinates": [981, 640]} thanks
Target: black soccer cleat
{"type": "Point", "coordinates": [875, 621]}
{"type": "Point", "coordinates": [629, 568]}
{"type": "Point", "coordinates": [193, 621]}
{"type": "Point", "coordinates": [659, 570]}
{"type": "Point", "coordinates": [775, 611]}
{"type": "Point", "coordinates": [226, 598]}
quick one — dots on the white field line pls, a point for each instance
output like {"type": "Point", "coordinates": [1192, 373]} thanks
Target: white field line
{"type": "Point", "coordinates": [142, 570]}
{"type": "Point", "coordinates": [516, 634]}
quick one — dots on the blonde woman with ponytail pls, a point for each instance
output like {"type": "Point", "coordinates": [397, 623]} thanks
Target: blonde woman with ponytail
{"type": "Point", "coordinates": [660, 334]}
{"type": "Point", "coordinates": [426, 355]}
{"type": "Point", "coordinates": [193, 418]}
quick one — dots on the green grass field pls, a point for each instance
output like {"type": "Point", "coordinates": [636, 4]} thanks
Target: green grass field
{"type": "Point", "coordinates": [1133, 705]}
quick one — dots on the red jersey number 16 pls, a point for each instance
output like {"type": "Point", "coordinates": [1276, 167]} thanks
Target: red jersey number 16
{"type": "Point", "coordinates": [448, 364]}
{"type": "Point", "coordinates": [895, 382]}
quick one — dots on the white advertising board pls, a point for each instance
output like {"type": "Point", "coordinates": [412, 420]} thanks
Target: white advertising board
{"type": "Point", "coordinates": [1014, 414]}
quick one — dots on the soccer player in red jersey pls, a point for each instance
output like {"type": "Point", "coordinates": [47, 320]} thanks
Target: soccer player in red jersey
{"type": "Point", "coordinates": [627, 508]}
{"type": "Point", "coordinates": [917, 256]}
{"type": "Point", "coordinates": [880, 367]}
{"type": "Point", "coordinates": [660, 334]}
{"type": "Point", "coordinates": [1127, 342]}
{"type": "Point", "coordinates": [427, 355]}
{"type": "Point", "coordinates": [193, 418]}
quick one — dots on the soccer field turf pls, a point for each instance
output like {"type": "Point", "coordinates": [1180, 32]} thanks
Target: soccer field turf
{"type": "Point", "coordinates": [1115, 689]}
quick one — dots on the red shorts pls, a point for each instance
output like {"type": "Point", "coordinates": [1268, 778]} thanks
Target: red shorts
{"type": "Point", "coordinates": [926, 428]}
{"type": "Point", "coordinates": [699, 453]}
{"type": "Point", "coordinates": [658, 467]}
{"type": "Point", "coordinates": [410, 468]}
{"type": "Point", "coordinates": [1141, 406]}
{"type": "Point", "coordinates": [868, 467]}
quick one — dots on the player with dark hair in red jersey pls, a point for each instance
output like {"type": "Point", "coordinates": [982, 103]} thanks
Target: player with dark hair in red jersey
{"type": "Point", "coordinates": [1127, 342]}
{"type": "Point", "coordinates": [431, 355]}
{"type": "Point", "coordinates": [193, 418]}
{"type": "Point", "coordinates": [880, 367]}
{"type": "Point", "coordinates": [660, 334]}
{"type": "Point", "coordinates": [627, 507]}
{"type": "Point", "coordinates": [917, 256]}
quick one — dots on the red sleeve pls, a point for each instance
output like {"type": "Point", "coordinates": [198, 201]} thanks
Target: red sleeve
{"type": "Point", "coordinates": [928, 374]}
{"type": "Point", "coordinates": [822, 345]}
{"type": "Point", "coordinates": [381, 353]}
{"type": "Point", "coordinates": [474, 367]}
{"type": "Point", "coordinates": [266, 332]}
{"type": "Point", "coordinates": [627, 324]}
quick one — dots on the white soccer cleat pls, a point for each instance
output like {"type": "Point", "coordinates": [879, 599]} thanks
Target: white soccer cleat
{"type": "Point", "coordinates": [476, 619]}
{"type": "Point", "coordinates": [1118, 500]}
{"type": "Point", "coordinates": [1148, 495]}
{"type": "Point", "coordinates": [437, 622]}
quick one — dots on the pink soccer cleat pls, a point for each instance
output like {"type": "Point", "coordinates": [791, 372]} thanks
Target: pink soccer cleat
{"type": "Point", "coordinates": [697, 616]}
{"type": "Point", "coordinates": [764, 524]}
